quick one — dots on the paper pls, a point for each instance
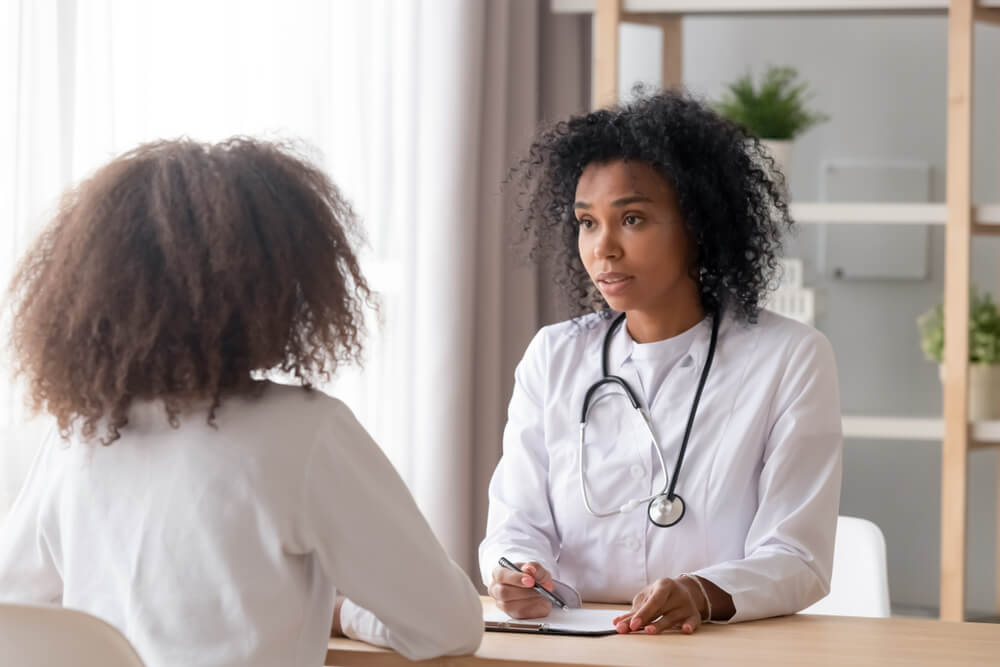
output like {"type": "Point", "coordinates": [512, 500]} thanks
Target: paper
{"type": "Point", "coordinates": [559, 621]}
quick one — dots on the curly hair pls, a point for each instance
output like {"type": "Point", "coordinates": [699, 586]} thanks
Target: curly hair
{"type": "Point", "coordinates": [730, 194]}
{"type": "Point", "coordinates": [176, 271]}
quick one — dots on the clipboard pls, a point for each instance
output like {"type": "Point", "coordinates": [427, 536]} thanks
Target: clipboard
{"type": "Point", "coordinates": [576, 622]}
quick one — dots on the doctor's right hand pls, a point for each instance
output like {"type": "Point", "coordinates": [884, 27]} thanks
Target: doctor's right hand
{"type": "Point", "coordinates": [514, 594]}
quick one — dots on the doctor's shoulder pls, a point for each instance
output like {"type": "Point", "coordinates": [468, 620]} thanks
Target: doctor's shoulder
{"type": "Point", "coordinates": [567, 342]}
{"type": "Point", "coordinates": [800, 362]}
{"type": "Point", "coordinates": [790, 339]}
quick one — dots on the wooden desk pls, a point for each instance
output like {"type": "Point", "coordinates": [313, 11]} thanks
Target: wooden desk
{"type": "Point", "coordinates": [798, 640]}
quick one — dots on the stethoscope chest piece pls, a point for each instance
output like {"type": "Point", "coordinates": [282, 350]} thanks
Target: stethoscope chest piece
{"type": "Point", "coordinates": [665, 512]}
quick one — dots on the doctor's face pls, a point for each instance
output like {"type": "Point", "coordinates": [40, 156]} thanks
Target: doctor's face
{"type": "Point", "coordinates": [632, 238]}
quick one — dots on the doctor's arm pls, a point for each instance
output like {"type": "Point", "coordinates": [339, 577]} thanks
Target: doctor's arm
{"type": "Point", "coordinates": [789, 546]}
{"type": "Point", "coordinates": [520, 525]}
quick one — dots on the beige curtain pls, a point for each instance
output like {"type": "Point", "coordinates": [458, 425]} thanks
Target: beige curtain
{"type": "Point", "coordinates": [521, 64]}
{"type": "Point", "coordinates": [417, 109]}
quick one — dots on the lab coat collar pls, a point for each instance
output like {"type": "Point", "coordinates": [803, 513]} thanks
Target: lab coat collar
{"type": "Point", "coordinates": [622, 343]}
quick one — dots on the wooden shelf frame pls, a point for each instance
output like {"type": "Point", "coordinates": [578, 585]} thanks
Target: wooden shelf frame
{"type": "Point", "coordinates": [960, 218]}
{"type": "Point", "coordinates": [783, 7]}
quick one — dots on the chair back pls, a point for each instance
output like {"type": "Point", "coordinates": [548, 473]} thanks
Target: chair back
{"type": "Point", "coordinates": [860, 583]}
{"type": "Point", "coordinates": [34, 636]}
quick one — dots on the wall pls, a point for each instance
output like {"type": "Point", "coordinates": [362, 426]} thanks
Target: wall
{"type": "Point", "coordinates": [882, 79]}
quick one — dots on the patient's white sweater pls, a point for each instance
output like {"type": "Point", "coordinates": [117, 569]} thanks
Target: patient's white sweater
{"type": "Point", "coordinates": [224, 546]}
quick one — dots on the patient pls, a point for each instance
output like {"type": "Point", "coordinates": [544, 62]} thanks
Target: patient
{"type": "Point", "coordinates": [213, 517]}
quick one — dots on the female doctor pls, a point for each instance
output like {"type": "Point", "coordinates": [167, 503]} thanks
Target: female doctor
{"type": "Point", "coordinates": [679, 449]}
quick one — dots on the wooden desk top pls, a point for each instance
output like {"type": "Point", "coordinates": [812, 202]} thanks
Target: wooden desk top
{"type": "Point", "coordinates": [798, 640]}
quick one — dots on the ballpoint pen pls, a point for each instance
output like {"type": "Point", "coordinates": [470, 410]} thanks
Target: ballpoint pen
{"type": "Point", "coordinates": [538, 587]}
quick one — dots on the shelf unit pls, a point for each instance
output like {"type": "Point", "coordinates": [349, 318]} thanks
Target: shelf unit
{"type": "Point", "coordinates": [960, 218]}
{"type": "Point", "coordinates": [981, 433]}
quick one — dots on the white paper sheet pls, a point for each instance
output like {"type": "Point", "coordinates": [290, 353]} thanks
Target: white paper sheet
{"type": "Point", "coordinates": [577, 621]}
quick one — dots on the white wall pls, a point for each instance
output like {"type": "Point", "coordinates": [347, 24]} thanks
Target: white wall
{"type": "Point", "coordinates": [882, 80]}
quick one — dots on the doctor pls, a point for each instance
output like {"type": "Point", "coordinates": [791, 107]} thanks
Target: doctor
{"type": "Point", "coordinates": [710, 494]}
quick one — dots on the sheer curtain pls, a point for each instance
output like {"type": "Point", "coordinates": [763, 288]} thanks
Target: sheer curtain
{"type": "Point", "coordinates": [414, 108]}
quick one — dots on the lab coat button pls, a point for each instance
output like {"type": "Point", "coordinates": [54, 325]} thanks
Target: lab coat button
{"type": "Point", "coordinates": [631, 544]}
{"type": "Point", "coordinates": [637, 471]}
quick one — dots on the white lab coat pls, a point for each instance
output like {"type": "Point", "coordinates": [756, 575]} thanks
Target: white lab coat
{"type": "Point", "coordinates": [761, 476]}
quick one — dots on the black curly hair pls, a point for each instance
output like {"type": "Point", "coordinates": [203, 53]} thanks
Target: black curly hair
{"type": "Point", "coordinates": [732, 198]}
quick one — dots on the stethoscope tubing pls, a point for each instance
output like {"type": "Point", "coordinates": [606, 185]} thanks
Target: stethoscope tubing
{"type": "Point", "coordinates": [669, 483]}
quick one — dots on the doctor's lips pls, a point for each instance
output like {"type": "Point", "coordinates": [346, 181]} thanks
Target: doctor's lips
{"type": "Point", "coordinates": [612, 283]}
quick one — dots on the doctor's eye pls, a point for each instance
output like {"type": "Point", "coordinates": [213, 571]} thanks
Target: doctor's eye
{"type": "Point", "coordinates": [631, 220]}
{"type": "Point", "coordinates": [586, 223]}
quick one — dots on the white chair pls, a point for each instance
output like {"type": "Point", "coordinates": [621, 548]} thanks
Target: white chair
{"type": "Point", "coordinates": [45, 636]}
{"type": "Point", "coordinates": [860, 583]}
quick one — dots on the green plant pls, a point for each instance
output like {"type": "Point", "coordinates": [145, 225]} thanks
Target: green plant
{"type": "Point", "coordinates": [984, 331]}
{"type": "Point", "coordinates": [777, 110]}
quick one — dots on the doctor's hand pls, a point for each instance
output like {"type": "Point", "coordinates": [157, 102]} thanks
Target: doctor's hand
{"type": "Point", "coordinates": [666, 604]}
{"type": "Point", "coordinates": [514, 594]}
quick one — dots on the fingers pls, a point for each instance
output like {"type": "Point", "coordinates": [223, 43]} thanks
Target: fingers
{"type": "Point", "coordinates": [531, 573]}
{"type": "Point", "coordinates": [504, 577]}
{"type": "Point", "coordinates": [655, 603]}
{"type": "Point", "coordinates": [514, 594]}
{"type": "Point", "coordinates": [678, 619]}
{"type": "Point", "coordinates": [518, 602]}
{"type": "Point", "coordinates": [538, 574]}
{"type": "Point", "coordinates": [663, 605]}
{"type": "Point", "coordinates": [538, 607]}
{"type": "Point", "coordinates": [637, 601]}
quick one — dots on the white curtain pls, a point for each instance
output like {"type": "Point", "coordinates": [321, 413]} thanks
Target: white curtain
{"type": "Point", "coordinates": [415, 108]}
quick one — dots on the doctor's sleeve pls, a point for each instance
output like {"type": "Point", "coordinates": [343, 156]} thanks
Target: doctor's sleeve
{"type": "Point", "coordinates": [789, 547]}
{"type": "Point", "coordinates": [369, 536]}
{"type": "Point", "coordinates": [28, 572]}
{"type": "Point", "coordinates": [520, 524]}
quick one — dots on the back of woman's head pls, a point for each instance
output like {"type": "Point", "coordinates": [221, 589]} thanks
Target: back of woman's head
{"type": "Point", "coordinates": [176, 271]}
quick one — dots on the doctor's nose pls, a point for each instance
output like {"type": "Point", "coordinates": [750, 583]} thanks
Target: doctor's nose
{"type": "Point", "coordinates": [606, 246]}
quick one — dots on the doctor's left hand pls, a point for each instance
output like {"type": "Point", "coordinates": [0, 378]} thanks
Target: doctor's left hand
{"type": "Point", "coordinates": [666, 604]}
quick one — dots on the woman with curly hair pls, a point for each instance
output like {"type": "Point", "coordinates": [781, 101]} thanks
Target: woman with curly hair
{"type": "Point", "coordinates": [679, 449]}
{"type": "Point", "coordinates": [211, 516]}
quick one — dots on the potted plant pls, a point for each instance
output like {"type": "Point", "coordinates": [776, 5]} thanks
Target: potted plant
{"type": "Point", "coordinates": [984, 352]}
{"type": "Point", "coordinates": [775, 112]}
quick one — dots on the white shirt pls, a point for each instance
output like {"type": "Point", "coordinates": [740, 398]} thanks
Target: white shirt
{"type": "Point", "coordinates": [761, 475]}
{"type": "Point", "coordinates": [224, 546]}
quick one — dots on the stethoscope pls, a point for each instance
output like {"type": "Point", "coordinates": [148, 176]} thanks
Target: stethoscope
{"type": "Point", "coordinates": [666, 507]}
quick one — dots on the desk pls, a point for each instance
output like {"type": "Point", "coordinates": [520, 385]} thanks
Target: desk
{"type": "Point", "coordinates": [797, 640]}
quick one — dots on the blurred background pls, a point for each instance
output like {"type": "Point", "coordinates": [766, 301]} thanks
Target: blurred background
{"type": "Point", "coordinates": [416, 108]}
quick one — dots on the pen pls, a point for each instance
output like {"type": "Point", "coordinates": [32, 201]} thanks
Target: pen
{"type": "Point", "coordinates": [553, 598]}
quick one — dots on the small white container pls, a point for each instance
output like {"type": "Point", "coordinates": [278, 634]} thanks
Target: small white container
{"type": "Point", "coordinates": [984, 391]}
{"type": "Point", "coordinates": [781, 151]}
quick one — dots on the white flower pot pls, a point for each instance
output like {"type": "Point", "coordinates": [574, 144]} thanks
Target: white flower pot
{"type": "Point", "coordinates": [984, 390]}
{"type": "Point", "coordinates": [781, 151]}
